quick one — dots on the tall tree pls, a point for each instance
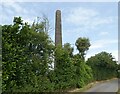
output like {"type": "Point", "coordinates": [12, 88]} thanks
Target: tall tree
{"type": "Point", "coordinates": [64, 74]}
{"type": "Point", "coordinates": [83, 73]}
{"type": "Point", "coordinates": [26, 55]}
{"type": "Point", "coordinates": [82, 45]}
{"type": "Point", "coordinates": [14, 54]}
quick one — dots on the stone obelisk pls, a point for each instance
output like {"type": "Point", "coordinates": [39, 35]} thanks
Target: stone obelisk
{"type": "Point", "coordinates": [58, 29]}
{"type": "Point", "coordinates": [58, 33]}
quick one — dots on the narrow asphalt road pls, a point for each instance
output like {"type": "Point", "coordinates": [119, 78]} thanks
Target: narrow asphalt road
{"type": "Point", "coordinates": [107, 86]}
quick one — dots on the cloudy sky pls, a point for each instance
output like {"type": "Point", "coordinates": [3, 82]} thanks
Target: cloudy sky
{"type": "Point", "coordinates": [97, 21]}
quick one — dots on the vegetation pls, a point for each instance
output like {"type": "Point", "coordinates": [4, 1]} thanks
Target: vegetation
{"type": "Point", "coordinates": [118, 71]}
{"type": "Point", "coordinates": [0, 48]}
{"type": "Point", "coordinates": [29, 54]}
{"type": "Point", "coordinates": [82, 45]}
{"type": "Point", "coordinates": [103, 65]}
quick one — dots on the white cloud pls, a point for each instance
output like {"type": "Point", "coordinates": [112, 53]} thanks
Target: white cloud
{"type": "Point", "coordinates": [88, 18]}
{"type": "Point", "coordinates": [80, 15]}
{"type": "Point", "coordinates": [15, 9]}
{"type": "Point", "coordinates": [102, 43]}
{"type": "Point", "coordinates": [96, 46]}
{"type": "Point", "coordinates": [104, 33]}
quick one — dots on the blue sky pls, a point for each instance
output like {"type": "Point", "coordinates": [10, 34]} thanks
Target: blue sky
{"type": "Point", "coordinates": [97, 21]}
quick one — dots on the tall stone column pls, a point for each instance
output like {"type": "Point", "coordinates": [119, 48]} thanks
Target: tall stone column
{"type": "Point", "coordinates": [58, 29]}
{"type": "Point", "coordinates": [58, 34]}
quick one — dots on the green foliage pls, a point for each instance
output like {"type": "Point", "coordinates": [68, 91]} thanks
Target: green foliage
{"type": "Point", "coordinates": [0, 48]}
{"type": "Point", "coordinates": [65, 72]}
{"type": "Point", "coordinates": [82, 45]}
{"type": "Point", "coordinates": [83, 72]}
{"type": "Point", "coordinates": [71, 71]}
{"type": "Point", "coordinates": [103, 65]}
{"type": "Point", "coordinates": [28, 55]}
{"type": "Point", "coordinates": [69, 49]}
{"type": "Point", "coordinates": [118, 70]}
{"type": "Point", "coordinates": [14, 57]}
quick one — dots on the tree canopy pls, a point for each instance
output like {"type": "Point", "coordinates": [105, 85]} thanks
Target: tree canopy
{"type": "Point", "coordinates": [103, 65]}
{"type": "Point", "coordinates": [82, 45]}
{"type": "Point", "coordinates": [67, 47]}
{"type": "Point", "coordinates": [27, 53]}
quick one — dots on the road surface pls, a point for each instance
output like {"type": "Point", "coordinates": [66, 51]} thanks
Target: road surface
{"type": "Point", "coordinates": [107, 86]}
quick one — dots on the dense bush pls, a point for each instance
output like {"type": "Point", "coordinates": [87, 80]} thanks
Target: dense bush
{"type": "Point", "coordinates": [26, 56]}
{"type": "Point", "coordinates": [103, 65]}
{"type": "Point", "coordinates": [118, 71]}
{"type": "Point", "coordinates": [64, 73]}
{"type": "Point", "coordinates": [83, 72]}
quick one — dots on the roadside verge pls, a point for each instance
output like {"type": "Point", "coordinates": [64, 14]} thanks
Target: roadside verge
{"type": "Point", "coordinates": [90, 85]}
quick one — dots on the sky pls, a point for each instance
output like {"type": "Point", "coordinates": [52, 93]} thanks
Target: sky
{"type": "Point", "coordinates": [97, 21]}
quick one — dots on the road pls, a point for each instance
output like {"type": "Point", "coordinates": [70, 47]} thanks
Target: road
{"type": "Point", "coordinates": [107, 86]}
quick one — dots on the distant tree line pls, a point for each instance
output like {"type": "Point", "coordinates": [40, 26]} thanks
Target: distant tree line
{"type": "Point", "coordinates": [28, 55]}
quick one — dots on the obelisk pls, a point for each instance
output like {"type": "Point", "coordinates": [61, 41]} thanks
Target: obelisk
{"type": "Point", "coordinates": [58, 29]}
{"type": "Point", "coordinates": [58, 34]}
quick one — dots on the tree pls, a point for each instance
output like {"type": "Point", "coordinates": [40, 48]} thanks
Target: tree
{"type": "Point", "coordinates": [14, 54]}
{"type": "Point", "coordinates": [82, 45]}
{"type": "Point", "coordinates": [103, 65]}
{"type": "Point", "coordinates": [27, 55]}
{"type": "Point", "coordinates": [64, 73]}
{"type": "Point", "coordinates": [69, 49]}
{"type": "Point", "coordinates": [83, 73]}
{"type": "Point", "coordinates": [41, 48]}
